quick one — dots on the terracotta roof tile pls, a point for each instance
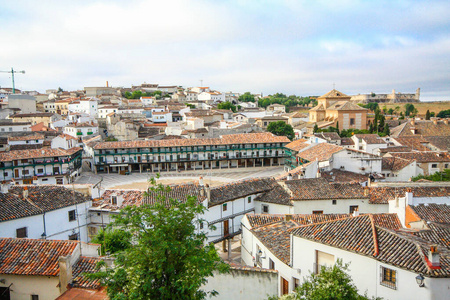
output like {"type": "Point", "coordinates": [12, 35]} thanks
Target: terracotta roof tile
{"type": "Point", "coordinates": [85, 265]}
{"type": "Point", "coordinates": [297, 145]}
{"type": "Point", "coordinates": [439, 213]}
{"type": "Point", "coordinates": [321, 152]}
{"type": "Point", "coordinates": [33, 257]}
{"type": "Point", "coordinates": [422, 157]}
{"type": "Point", "coordinates": [37, 153]}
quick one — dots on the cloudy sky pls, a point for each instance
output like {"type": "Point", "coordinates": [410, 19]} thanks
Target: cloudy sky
{"type": "Point", "coordinates": [295, 47]}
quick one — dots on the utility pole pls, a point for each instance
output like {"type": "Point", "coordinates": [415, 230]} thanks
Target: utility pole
{"type": "Point", "coordinates": [12, 76]}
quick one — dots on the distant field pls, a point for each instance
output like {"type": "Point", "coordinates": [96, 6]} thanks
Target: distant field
{"type": "Point", "coordinates": [422, 107]}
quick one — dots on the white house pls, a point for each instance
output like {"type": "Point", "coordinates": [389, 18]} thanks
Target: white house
{"type": "Point", "coordinates": [8, 125]}
{"type": "Point", "coordinates": [370, 143]}
{"type": "Point", "coordinates": [211, 97]}
{"type": "Point", "coordinates": [103, 111]}
{"type": "Point", "coordinates": [87, 106]}
{"type": "Point", "coordinates": [64, 141]}
{"type": "Point", "coordinates": [46, 211]}
{"type": "Point", "coordinates": [81, 130]}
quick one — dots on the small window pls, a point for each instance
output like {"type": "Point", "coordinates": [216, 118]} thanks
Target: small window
{"type": "Point", "coordinates": [34, 297]}
{"type": "Point", "coordinates": [296, 283]}
{"type": "Point", "coordinates": [271, 264]}
{"type": "Point", "coordinates": [333, 202]}
{"type": "Point", "coordinates": [73, 237]}
{"type": "Point", "coordinates": [224, 207]}
{"type": "Point", "coordinates": [249, 199]}
{"type": "Point", "coordinates": [317, 212]}
{"type": "Point", "coordinates": [265, 209]}
{"type": "Point", "coordinates": [114, 200]}
{"type": "Point", "coordinates": [21, 232]}
{"type": "Point", "coordinates": [434, 165]}
{"type": "Point", "coordinates": [446, 166]}
{"type": "Point", "coordinates": [59, 181]}
{"type": "Point", "coordinates": [72, 215]}
{"type": "Point", "coordinates": [388, 278]}
{"type": "Point", "coordinates": [201, 225]}
{"type": "Point", "coordinates": [353, 208]}
{"type": "Point", "coordinates": [352, 121]}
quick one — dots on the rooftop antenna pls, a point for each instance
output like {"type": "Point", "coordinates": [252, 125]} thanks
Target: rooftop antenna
{"type": "Point", "coordinates": [12, 75]}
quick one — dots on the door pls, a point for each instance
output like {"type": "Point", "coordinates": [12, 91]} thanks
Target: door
{"type": "Point", "coordinates": [284, 286]}
{"type": "Point", "coordinates": [4, 293]}
{"type": "Point", "coordinates": [139, 159]}
{"type": "Point", "coordinates": [16, 173]}
{"type": "Point", "coordinates": [226, 229]}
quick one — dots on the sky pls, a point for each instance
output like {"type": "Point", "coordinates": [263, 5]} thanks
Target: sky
{"type": "Point", "coordinates": [292, 46]}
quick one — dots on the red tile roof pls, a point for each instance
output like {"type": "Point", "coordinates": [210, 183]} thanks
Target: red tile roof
{"type": "Point", "coordinates": [33, 257]}
{"type": "Point", "coordinates": [297, 145]}
{"type": "Point", "coordinates": [80, 268]}
{"type": "Point", "coordinates": [245, 138]}
{"type": "Point", "coordinates": [321, 152]}
{"type": "Point", "coordinates": [37, 153]}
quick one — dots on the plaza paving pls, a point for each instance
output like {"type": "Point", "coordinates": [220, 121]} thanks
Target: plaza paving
{"type": "Point", "coordinates": [227, 175]}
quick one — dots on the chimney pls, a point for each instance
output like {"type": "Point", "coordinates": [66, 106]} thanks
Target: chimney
{"type": "Point", "coordinates": [355, 212]}
{"type": "Point", "coordinates": [413, 122]}
{"type": "Point", "coordinates": [5, 187]}
{"type": "Point", "coordinates": [434, 257]}
{"type": "Point", "coordinates": [289, 177]}
{"type": "Point", "coordinates": [318, 175]}
{"type": "Point", "coordinates": [65, 272]}
{"type": "Point", "coordinates": [25, 192]}
{"type": "Point", "coordinates": [288, 218]}
{"type": "Point", "coordinates": [366, 191]}
{"type": "Point", "coordinates": [409, 197]}
{"type": "Point", "coordinates": [107, 84]}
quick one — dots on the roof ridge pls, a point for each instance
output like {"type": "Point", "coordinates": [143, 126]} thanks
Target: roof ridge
{"type": "Point", "coordinates": [376, 250]}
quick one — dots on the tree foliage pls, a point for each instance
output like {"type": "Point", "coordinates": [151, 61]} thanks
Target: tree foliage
{"type": "Point", "coordinates": [332, 283]}
{"type": "Point", "coordinates": [227, 105]}
{"type": "Point", "coordinates": [282, 129]}
{"type": "Point", "coordinates": [168, 258]}
{"type": "Point", "coordinates": [138, 94]}
{"type": "Point", "coordinates": [438, 176]}
{"type": "Point", "coordinates": [427, 115]}
{"type": "Point", "coordinates": [373, 106]}
{"type": "Point", "coordinates": [352, 131]}
{"type": "Point", "coordinates": [410, 110]}
{"type": "Point", "coordinates": [443, 114]}
{"type": "Point", "coordinates": [247, 97]}
{"type": "Point", "coordinates": [112, 240]}
{"type": "Point", "coordinates": [280, 98]}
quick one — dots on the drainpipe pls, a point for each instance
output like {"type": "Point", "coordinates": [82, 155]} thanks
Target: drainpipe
{"type": "Point", "coordinates": [45, 230]}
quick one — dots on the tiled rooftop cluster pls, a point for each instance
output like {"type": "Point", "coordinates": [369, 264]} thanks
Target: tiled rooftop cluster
{"type": "Point", "coordinates": [439, 213]}
{"type": "Point", "coordinates": [33, 257]}
{"type": "Point", "coordinates": [320, 152]}
{"type": "Point", "coordinates": [297, 145]}
{"type": "Point", "coordinates": [85, 265]}
{"type": "Point", "coordinates": [37, 153]}
{"type": "Point", "coordinates": [239, 189]}
{"type": "Point", "coordinates": [40, 199]}
{"type": "Point", "coordinates": [248, 138]}
{"type": "Point", "coordinates": [420, 157]}
{"type": "Point", "coordinates": [425, 128]}
{"type": "Point", "coordinates": [395, 163]}
{"type": "Point", "coordinates": [320, 188]}
{"type": "Point", "coordinates": [370, 138]}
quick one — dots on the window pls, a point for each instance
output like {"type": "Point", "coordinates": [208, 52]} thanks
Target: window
{"type": "Point", "coordinates": [353, 208]}
{"type": "Point", "coordinates": [446, 166]}
{"type": "Point", "coordinates": [317, 212]}
{"type": "Point", "coordinates": [224, 207]}
{"type": "Point", "coordinates": [114, 200]}
{"type": "Point", "coordinates": [388, 278]}
{"type": "Point", "coordinates": [323, 260]}
{"type": "Point", "coordinates": [21, 232]}
{"type": "Point", "coordinates": [352, 121]}
{"type": "Point", "coordinates": [249, 199]}
{"type": "Point", "coordinates": [434, 165]}
{"type": "Point", "coordinates": [296, 282]}
{"type": "Point", "coordinates": [72, 215]}
{"type": "Point", "coordinates": [73, 237]}
{"type": "Point", "coordinates": [271, 264]}
{"type": "Point", "coordinates": [34, 297]}
{"type": "Point", "coordinates": [201, 225]}
{"type": "Point", "coordinates": [265, 209]}
{"type": "Point", "coordinates": [333, 202]}
{"type": "Point", "coordinates": [59, 181]}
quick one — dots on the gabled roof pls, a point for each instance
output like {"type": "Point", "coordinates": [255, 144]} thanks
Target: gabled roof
{"type": "Point", "coordinates": [423, 127]}
{"type": "Point", "coordinates": [423, 157]}
{"type": "Point", "coordinates": [370, 138]}
{"type": "Point", "coordinates": [37, 153]}
{"type": "Point", "coordinates": [80, 268]}
{"type": "Point", "coordinates": [41, 198]}
{"type": "Point", "coordinates": [439, 213]}
{"type": "Point", "coordinates": [395, 163]}
{"type": "Point", "coordinates": [346, 105]}
{"type": "Point", "coordinates": [320, 188]}
{"type": "Point", "coordinates": [240, 189]}
{"type": "Point", "coordinates": [363, 236]}
{"type": "Point", "coordinates": [33, 257]}
{"type": "Point", "coordinates": [334, 94]}
{"type": "Point", "coordinates": [320, 152]}
{"type": "Point", "coordinates": [297, 145]}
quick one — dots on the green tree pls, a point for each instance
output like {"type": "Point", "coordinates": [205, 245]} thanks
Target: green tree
{"type": "Point", "coordinates": [427, 115]}
{"type": "Point", "coordinates": [282, 129]}
{"type": "Point", "coordinates": [332, 283]}
{"type": "Point", "coordinates": [112, 240]}
{"type": "Point", "coordinates": [438, 176]}
{"type": "Point", "coordinates": [168, 259]}
{"type": "Point", "coordinates": [60, 90]}
{"type": "Point", "coordinates": [227, 105]}
{"type": "Point", "coordinates": [410, 109]}
{"type": "Point", "coordinates": [386, 130]}
{"type": "Point", "coordinates": [443, 114]}
{"type": "Point", "coordinates": [390, 111]}
{"type": "Point", "coordinates": [247, 97]}
{"type": "Point", "coordinates": [316, 128]}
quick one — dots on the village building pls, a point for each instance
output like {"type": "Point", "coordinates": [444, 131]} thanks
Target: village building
{"type": "Point", "coordinates": [229, 151]}
{"type": "Point", "coordinates": [336, 108]}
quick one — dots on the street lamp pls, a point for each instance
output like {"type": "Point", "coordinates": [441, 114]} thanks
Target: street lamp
{"type": "Point", "coordinates": [419, 280]}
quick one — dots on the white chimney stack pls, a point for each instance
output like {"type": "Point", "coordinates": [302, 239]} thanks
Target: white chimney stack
{"type": "Point", "coordinates": [434, 257]}
{"type": "Point", "coordinates": [25, 192]}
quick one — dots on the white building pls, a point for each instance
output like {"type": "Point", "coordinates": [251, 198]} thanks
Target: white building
{"type": "Point", "coordinates": [87, 106]}
{"type": "Point", "coordinates": [370, 143]}
{"type": "Point", "coordinates": [81, 130]}
{"type": "Point", "coordinates": [51, 212]}
{"type": "Point", "coordinates": [8, 125]}
{"type": "Point", "coordinates": [211, 97]}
